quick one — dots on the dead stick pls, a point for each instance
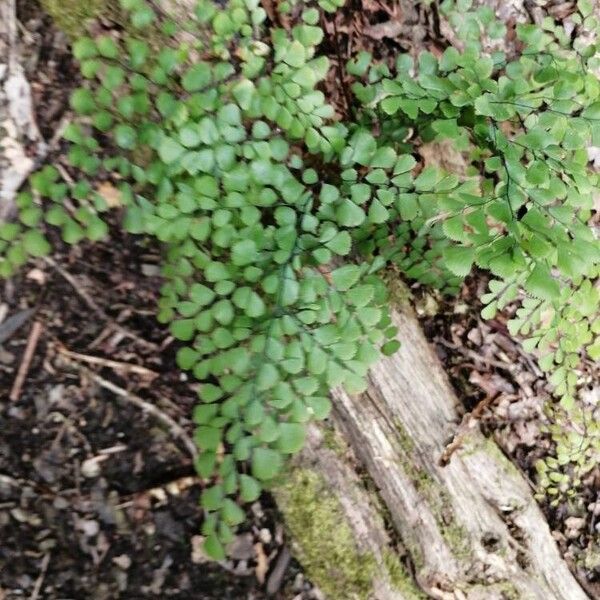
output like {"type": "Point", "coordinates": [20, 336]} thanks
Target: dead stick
{"type": "Point", "coordinates": [105, 362]}
{"type": "Point", "coordinates": [175, 429]}
{"type": "Point", "coordinates": [467, 423]}
{"type": "Point", "coordinates": [38, 584]}
{"type": "Point", "coordinates": [32, 342]}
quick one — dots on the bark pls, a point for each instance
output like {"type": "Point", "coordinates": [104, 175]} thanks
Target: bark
{"type": "Point", "coordinates": [337, 526]}
{"type": "Point", "coordinates": [469, 530]}
{"type": "Point", "coordinates": [20, 141]}
{"type": "Point", "coordinates": [473, 528]}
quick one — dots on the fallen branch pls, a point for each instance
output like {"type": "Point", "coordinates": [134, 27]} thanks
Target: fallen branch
{"type": "Point", "coordinates": [105, 362]}
{"type": "Point", "coordinates": [338, 530]}
{"type": "Point", "coordinates": [472, 527]}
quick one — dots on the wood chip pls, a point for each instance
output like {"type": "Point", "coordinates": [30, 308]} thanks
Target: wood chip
{"type": "Point", "coordinates": [262, 563]}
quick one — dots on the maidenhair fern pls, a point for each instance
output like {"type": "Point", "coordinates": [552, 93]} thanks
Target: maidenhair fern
{"type": "Point", "coordinates": [275, 216]}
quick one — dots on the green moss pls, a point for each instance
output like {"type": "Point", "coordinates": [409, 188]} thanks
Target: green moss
{"type": "Point", "coordinates": [333, 440]}
{"type": "Point", "coordinates": [399, 293]}
{"type": "Point", "coordinates": [73, 16]}
{"type": "Point", "coordinates": [324, 543]}
{"type": "Point", "coordinates": [400, 578]}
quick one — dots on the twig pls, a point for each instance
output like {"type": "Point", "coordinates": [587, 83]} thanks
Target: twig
{"type": "Point", "coordinates": [71, 280]}
{"type": "Point", "coordinates": [480, 359]}
{"type": "Point", "coordinates": [93, 306]}
{"type": "Point", "coordinates": [32, 341]}
{"type": "Point", "coordinates": [105, 362]}
{"type": "Point", "coordinates": [174, 428]}
{"type": "Point", "coordinates": [467, 423]}
{"type": "Point", "coordinates": [40, 580]}
{"type": "Point", "coordinates": [276, 577]}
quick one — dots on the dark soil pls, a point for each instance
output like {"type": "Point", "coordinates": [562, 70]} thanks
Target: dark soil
{"type": "Point", "coordinates": [97, 500]}
{"type": "Point", "coordinates": [93, 488]}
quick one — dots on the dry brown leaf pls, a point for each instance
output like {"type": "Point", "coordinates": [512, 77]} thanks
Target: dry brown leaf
{"type": "Point", "coordinates": [110, 193]}
{"type": "Point", "coordinates": [388, 29]}
{"type": "Point", "coordinates": [444, 155]}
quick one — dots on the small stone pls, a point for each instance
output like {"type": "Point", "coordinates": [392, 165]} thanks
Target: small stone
{"type": "Point", "coordinates": [18, 515]}
{"type": "Point", "coordinates": [575, 523]}
{"type": "Point", "coordinates": [60, 503]}
{"type": "Point", "coordinates": [298, 583]}
{"type": "Point", "coordinates": [242, 547]}
{"type": "Point", "coordinates": [265, 536]}
{"type": "Point", "coordinates": [122, 561]}
{"type": "Point", "coordinates": [594, 508]}
{"type": "Point", "coordinates": [149, 270]}
{"type": "Point", "coordinates": [37, 275]}
{"type": "Point", "coordinates": [26, 517]}
{"type": "Point", "coordinates": [90, 467]}
{"type": "Point", "coordinates": [257, 510]}
{"type": "Point", "coordinates": [89, 527]}
{"type": "Point", "coordinates": [6, 358]}
{"type": "Point", "coordinates": [47, 545]}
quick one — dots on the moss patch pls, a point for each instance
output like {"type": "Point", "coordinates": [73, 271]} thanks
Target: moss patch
{"type": "Point", "coordinates": [73, 16]}
{"type": "Point", "coordinates": [399, 293]}
{"type": "Point", "coordinates": [400, 578]}
{"type": "Point", "coordinates": [333, 440]}
{"type": "Point", "coordinates": [324, 543]}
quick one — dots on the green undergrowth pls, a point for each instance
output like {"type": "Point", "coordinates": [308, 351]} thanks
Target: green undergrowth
{"type": "Point", "coordinates": [277, 217]}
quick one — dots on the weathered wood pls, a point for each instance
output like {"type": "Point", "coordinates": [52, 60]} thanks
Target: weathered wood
{"type": "Point", "coordinates": [472, 527]}
{"type": "Point", "coordinates": [336, 525]}
{"type": "Point", "coordinates": [20, 140]}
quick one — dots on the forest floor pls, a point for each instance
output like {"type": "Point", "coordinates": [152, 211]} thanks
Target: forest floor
{"type": "Point", "coordinates": [98, 500]}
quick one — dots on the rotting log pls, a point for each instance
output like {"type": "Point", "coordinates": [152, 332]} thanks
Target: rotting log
{"type": "Point", "coordinates": [337, 526]}
{"type": "Point", "coordinates": [472, 528]}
